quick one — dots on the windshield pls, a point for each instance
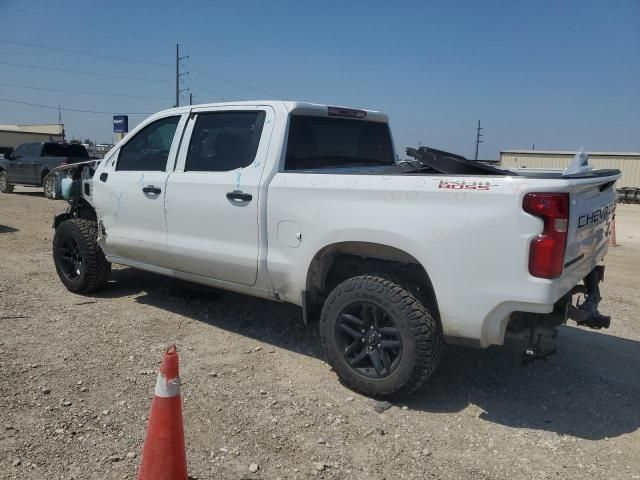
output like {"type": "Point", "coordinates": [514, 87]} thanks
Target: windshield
{"type": "Point", "coordinates": [325, 142]}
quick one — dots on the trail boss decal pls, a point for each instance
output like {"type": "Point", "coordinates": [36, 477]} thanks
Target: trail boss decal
{"type": "Point", "coordinates": [597, 216]}
{"type": "Point", "coordinates": [458, 184]}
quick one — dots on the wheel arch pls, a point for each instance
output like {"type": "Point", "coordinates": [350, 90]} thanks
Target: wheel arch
{"type": "Point", "coordinates": [336, 262]}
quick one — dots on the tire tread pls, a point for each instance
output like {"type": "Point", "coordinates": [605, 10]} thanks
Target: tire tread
{"type": "Point", "coordinates": [97, 267]}
{"type": "Point", "coordinates": [423, 325]}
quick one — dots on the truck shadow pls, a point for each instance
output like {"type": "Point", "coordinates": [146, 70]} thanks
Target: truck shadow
{"type": "Point", "coordinates": [589, 389]}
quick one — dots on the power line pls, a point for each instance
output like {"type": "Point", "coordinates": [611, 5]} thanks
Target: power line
{"type": "Point", "coordinates": [22, 65]}
{"type": "Point", "coordinates": [89, 54]}
{"type": "Point", "coordinates": [71, 109]}
{"type": "Point", "coordinates": [232, 82]}
{"type": "Point", "coordinates": [131, 60]}
{"type": "Point", "coordinates": [222, 94]}
{"type": "Point", "coordinates": [82, 92]}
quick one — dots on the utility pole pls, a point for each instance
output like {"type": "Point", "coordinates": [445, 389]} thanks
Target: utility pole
{"type": "Point", "coordinates": [178, 74]}
{"type": "Point", "coordinates": [478, 141]}
{"type": "Point", "coordinates": [190, 98]}
{"type": "Point", "coordinates": [60, 122]}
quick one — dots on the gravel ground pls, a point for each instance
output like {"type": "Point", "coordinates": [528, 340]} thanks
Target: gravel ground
{"type": "Point", "coordinates": [77, 376]}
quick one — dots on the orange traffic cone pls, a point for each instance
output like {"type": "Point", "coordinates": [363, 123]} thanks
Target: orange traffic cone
{"type": "Point", "coordinates": [163, 455]}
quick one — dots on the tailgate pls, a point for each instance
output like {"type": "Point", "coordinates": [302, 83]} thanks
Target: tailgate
{"type": "Point", "coordinates": [591, 211]}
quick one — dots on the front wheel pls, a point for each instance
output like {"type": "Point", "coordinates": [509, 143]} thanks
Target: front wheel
{"type": "Point", "coordinates": [79, 261]}
{"type": "Point", "coordinates": [49, 186]}
{"type": "Point", "coordinates": [5, 186]}
{"type": "Point", "coordinates": [379, 338]}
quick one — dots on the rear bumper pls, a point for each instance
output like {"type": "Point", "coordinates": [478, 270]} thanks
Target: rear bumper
{"type": "Point", "coordinates": [584, 314]}
{"type": "Point", "coordinates": [546, 301]}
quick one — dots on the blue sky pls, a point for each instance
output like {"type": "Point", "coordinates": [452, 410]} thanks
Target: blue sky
{"type": "Point", "coordinates": [560, 74]}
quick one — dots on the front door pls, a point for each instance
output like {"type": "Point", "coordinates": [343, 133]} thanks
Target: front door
{"type": "Point", "coordinates": [213, 196]}
{"type": "Point", "coordinates": [16, 169]}
{"type": "Point", "coordinates": [129, 191]}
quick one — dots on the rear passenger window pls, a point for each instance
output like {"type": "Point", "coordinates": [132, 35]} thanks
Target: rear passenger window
{"type": "Point", "coordinates": [149, 149]}
{"type": "Point", "coordinates": [53, 150]}
{"type": "Point", "coordinates": [223, 141]}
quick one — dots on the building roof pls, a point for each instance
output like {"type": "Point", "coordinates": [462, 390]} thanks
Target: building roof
{"type": "Point", "coordinates": [565, 152]}
{"type": "Point", "coordinates": [47, 129]}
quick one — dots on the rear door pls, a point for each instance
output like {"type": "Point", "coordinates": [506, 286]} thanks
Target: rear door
{"type": "Point", "coordinates": [129, 192]}
{"type": "Point", "coordinates": [212, 200]}
{"type": "Point", "coordinates": [33, 162]}
{"type": "Point", "coordinates": [53, 154]}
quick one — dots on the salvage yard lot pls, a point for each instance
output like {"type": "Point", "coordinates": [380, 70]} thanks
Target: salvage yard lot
{"type": "Point", "coordinates": [77, 375]}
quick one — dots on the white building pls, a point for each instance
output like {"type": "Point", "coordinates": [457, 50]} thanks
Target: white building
{"type": "Point", "coordinates": [627, 162]}
{"type": "Point", "coordinates": [13, 135]}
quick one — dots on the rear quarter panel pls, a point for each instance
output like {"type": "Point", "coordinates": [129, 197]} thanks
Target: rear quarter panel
{"type": "Point", "coordinates": [473, 242]}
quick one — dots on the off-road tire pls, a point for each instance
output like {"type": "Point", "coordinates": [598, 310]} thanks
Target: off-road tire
{"type": "Point", "coordinates": [95, 270]}
{"type": "Point", "coordinates": [421, 335]}
{"type": "Point", "coordinates": [5, 186]}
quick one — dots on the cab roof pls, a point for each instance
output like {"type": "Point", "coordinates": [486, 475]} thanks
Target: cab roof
{"type": "Point", "coordinates": [306, 108]}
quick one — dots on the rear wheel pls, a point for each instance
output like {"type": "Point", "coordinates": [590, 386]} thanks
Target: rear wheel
{"type": "Point", "coordinates": [5, 186]}
{"type": "Point", "coordinates": [379, 338]}
{"type": "Point", "coordinates": [79, 261]}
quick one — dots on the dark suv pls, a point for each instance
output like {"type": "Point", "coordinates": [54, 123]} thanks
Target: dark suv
{"type": "Point", "coordinates": [30, 163]}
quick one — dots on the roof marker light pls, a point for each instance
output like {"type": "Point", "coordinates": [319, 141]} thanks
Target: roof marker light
{"type": "Point", "coordinates": [346, 112]}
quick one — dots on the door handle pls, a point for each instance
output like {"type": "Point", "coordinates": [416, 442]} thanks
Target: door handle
{"type": "Point", "coordinates": [152, 190]}
{"type": "Point", "coordinates": [239, 196]}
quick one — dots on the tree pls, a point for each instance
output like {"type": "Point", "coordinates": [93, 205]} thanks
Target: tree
{"type": "Point", "coordinates": [88, 142]}
{"type": "Point", "coordinates": [75, 140]}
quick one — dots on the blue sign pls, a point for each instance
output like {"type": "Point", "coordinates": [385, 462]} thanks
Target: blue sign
{"type": "Point", "coordinates": [120, 123]}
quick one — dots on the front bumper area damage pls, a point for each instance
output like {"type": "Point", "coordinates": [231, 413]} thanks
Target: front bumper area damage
{"type": "Point", "coordinates": [579, 305]}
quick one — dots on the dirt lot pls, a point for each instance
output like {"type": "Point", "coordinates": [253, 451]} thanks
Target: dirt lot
{"type": "Point", "coordinates": [77, 374]}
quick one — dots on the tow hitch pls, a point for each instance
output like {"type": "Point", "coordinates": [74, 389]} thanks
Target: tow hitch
{"type": "Point", "coordinates": [540, 327]}
{"type": "Point", "coordinates": [586, 314]}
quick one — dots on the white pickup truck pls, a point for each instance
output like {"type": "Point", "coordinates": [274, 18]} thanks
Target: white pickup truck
{"type": "Point", "coordinates": [308, 204]}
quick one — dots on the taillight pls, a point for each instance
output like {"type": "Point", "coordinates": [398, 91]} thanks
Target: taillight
{"type": "Point", "coordinates": [546, 254]}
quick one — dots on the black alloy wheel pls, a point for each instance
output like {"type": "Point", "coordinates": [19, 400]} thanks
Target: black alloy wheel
{"type": "Point", "coordinates": [370, 339]}
{"type": "Point", "coordinates": [379, 338]}
{"type": "Point", "coordinates": [70, 259]}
